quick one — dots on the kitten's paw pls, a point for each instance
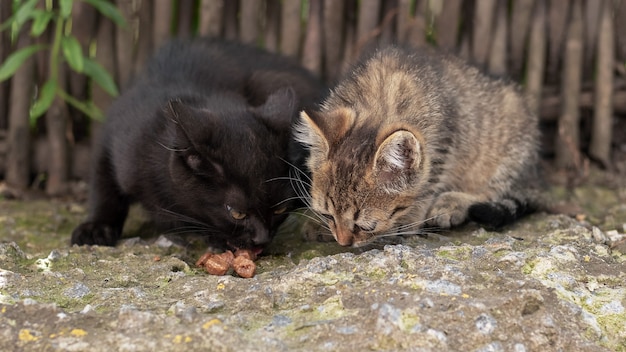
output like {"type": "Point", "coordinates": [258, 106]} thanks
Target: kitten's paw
{"type": "Point", "coordinates": [448, 210]}
{"type": "Point", "coordinates": [445, 219]}
{"type": "Point", "coordinates": [494, 215]}
{"type": "Point", "coordinates": [90, 233]}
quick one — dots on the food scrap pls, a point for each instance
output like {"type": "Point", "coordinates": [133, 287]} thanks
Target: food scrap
{"type": "Point", "coordinates": [242, 262]}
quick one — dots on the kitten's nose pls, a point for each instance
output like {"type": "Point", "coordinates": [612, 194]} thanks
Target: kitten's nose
{"type": "Point", "coordinates": [261, 237]}
{"type": "Point", "coordinates": [344, 236]}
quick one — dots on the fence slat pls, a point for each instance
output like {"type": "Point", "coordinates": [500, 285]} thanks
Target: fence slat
{"type": "Point", "coordinates": [145, 45]}
{"type": "Point", "coordinates": [349, 46]}
{"type": "Point", "coordinates": [272, 25]}
{"type": "Point", "coordinates": [600, 148]}
{"type": "Point", "coordinates": [403, 20]}
{"type": "Point", "coordinates": [162, 20]}
{"type": "Point", "coordinates": [498, 51]}
{"type": "Point", "coordinates": [249, 20]}
{"type": "Point", "coordinates": [185, 17]}
{"type": "Point", "coordinates": [333, 37]}
{"type": "Point", "coordinates": [389, 13]}
{"type": "Point", "coordinates": [592, 13]}
{"type": "Point", "coordinates": [231, 12]}
{"type": "Point", "coordinates": [124, 43]}
{"type": "Point", "coordinates": [536, 57]}
{"type": "Point", "coordinates": [482, 31]}
{"type": "Point", "coordinates": [416, 32]}
{"type": "Point", "coordinates": [312, 49]}
{"type": "Point", "coordinates": [290, 28]}
{"type": "Point", "coordinates": [447, 24]}
{"type": "Point", "coordinates": [568, 137]}
{"type": "Point", "coordinates": [105, 40]}
{"type": "Point", "coordinates": [518, 34]}
{"type": "Point", "coordinates": [18, 159]}
{"type": "Point", "coordinates": [57, 160]}
{"type": "Point", "coordinates": [211, 17]}
{"type": "Point", "coordinates": [83, 28]}
{"type": "Point", "coordinates": [5, 48]}
{"type": "Point", "coordinates": [558, 11]}
{"type": "Point", "coordinates": [367, 21]}
{"type": "Point", "coordinates": [620, 30]}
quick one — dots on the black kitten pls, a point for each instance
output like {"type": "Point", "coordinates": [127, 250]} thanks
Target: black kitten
{"type": "Point", "coordinates": [201, 140]}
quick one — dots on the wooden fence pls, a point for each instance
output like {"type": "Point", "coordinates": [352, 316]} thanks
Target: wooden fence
{"type": "Point", "coordinates": [568, 55]}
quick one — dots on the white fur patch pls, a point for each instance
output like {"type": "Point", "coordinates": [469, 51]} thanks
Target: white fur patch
{"type": "Point", "coordinates": [308, 133]}
{"type": "Point", "coordinates": [303, 131]}
{"type": "Point", "coordinates": [401, 150]}
{"type": "Point", "coordinates": [396, 158]}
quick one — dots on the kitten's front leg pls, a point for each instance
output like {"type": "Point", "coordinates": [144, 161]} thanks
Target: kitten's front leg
{"type": "Point", "coordinates": [450, 209]}
{"type": "Point", "coordinates": [108, 209]}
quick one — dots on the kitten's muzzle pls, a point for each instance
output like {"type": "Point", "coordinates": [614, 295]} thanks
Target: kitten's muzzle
{"type": "Point", "coordinates": [262, 237]}
{"type": "Point", "coordinates": [344, 236]}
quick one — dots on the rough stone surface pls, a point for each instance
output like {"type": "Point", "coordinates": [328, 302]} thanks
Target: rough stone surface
{"type": "Point", "coordinates": [548, 283]}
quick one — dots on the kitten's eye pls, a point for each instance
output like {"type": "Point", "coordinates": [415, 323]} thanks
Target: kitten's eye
{"type": "Point", "coordinates": [280, 210]}
{"type": "Point", "coordinates": [237, 215]}
{"type": "Point", "coordinates": [367, 228]}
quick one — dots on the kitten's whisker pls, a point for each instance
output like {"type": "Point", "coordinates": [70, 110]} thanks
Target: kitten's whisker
{"type": "Point", "coordinates": [415, 224]}
{"type": "Point", "coordinates": [285, 201]}
{"type": "Point", "coordinates": [288, 178]}
{"type": "Point", "coordinates": [172, 149]}
{"type": "Point", "coordinates": [408, 227]}
{"type": "Point", "coordinates": [297, 169]}
{"type": "Point", "coordinates": [181, 231]}
{"type": "Point", "coordinates": [188, 219]}
{"type": "Point", "coordinates": [395, 234]}
{"type": "Point", "coordinates": [318, 221]}
{"type": "Point", "coordinates": [301, 190]}
{"type": "Point", "coordinates": [321, 218]}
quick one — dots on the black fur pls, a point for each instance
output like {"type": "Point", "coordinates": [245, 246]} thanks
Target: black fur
{"type": "Point", "coordinates": [496, 215]}
{"type": "Point", "coordinates": [203, 130]}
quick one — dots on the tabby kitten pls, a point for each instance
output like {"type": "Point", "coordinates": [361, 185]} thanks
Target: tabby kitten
{"type": "Point", "coordinates": [409, 139]}
{"type": "Point", "coordinates": [201, 140]}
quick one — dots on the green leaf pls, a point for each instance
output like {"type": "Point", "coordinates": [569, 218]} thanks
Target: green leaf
{"type": "Point", "coordinates": [95, 113]}
{"type": "Point", "coordinates": [100, 76]}
{"type": "Point", "coordinates": [46, 97]}
{"type": "Point", "coordinates": [73, 53]}
{"type": "Point", "coordinates": [40, 22]}
{"type": "Point", "coordinates": [109, 10]}
{"type": "Point", "coordinates": [66, 8]}
{"type": "Point", "coordinates": [21, 15]}
{"type": "Point", "coordinates": [86, 107]}
{"type": "Point", "coordinates": [16, 59]}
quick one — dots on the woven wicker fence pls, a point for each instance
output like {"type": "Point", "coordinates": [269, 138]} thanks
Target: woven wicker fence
{"type": "Point", "coordinates": [568, 55]}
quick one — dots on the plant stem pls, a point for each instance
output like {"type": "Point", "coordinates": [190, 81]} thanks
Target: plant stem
{"type": "Point", "coordinates": [56, 47]}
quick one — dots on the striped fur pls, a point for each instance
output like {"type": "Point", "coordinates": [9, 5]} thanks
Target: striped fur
{"type": "Point", "coordinates": [410, 139]}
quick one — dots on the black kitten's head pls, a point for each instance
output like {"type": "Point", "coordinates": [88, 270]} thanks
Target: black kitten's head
{"type": "Point", "coordinates": [229, 166]}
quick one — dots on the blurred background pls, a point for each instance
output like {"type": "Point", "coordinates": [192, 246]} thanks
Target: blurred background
{"type": "Point", "coordinates": [64, 61]}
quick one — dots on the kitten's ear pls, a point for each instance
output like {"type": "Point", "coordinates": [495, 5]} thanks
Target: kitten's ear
{"type": "Point", "coordinates": [184, 119]}
{"type": "Point", "coordinates": [397, 160]}
{"type": "Point", "coordinates": [322, 131]}
{"type": "Point", "coordinates": [279, 108]}
{"type": "Point", "coordinates": [308, 133]}
{"type": "Point", "coordinates": [335, 124]}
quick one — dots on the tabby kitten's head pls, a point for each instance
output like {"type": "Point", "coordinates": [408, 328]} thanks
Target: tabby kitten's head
{"type": "Point", "coordinates": [228, 167]}
{"type": "Point", "coordinates": [364, 178]}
